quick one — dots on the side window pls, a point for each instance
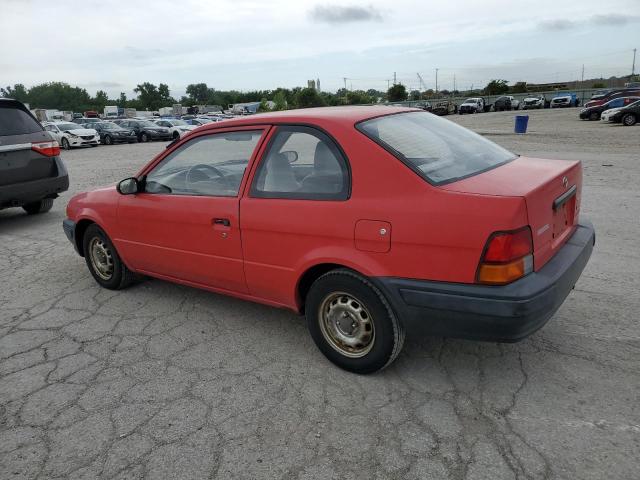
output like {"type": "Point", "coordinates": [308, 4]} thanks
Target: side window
{"type": "Point", "coordinates": [211, 165]}
{"type": "Point", "coordinates": [302, 163]}
{"type": "Point", "coordinates": [617, 103]}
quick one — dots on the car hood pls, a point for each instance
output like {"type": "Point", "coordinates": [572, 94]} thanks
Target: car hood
{"type": "Point", "coordinates": [82, 131]}
{"type": "Point", "coordinates": [613, 110]}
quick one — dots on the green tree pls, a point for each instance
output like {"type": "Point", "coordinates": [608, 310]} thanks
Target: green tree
{"type": "Point", "coordinates": [280, 100]}
{"type": "Point", "coordinates": [101, 99]}
{"type": "Point", "coordinates": [358, 97]}
{"type": "Point", "coordinates": [598, 85]}
{"type": "Point", "coordinates": [198, 93]}
{"type": "Point", "coordinates": [17, 92]}
{"type": "Point", "coordinates": [148, 96]}
{"type": "Point", "coordinates": [309, 97]}
{"type": "Point", "coordinates": [397, 93]}
{"type": "Point", "coordinates": [496, 87]}
{"type": "Point", "coordinates": [59, 95]}
{"type": "Point", "coordinates": [122, 101]}
{"type": "Point", "coordinates": [519, 87]}
{"type": "Point", "coordinates": [264, 106]}
{"type": "Point", "coordinates": [414, 95]}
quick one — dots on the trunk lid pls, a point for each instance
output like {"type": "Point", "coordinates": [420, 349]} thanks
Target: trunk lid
{"type": "Point", "coordinates": [552, 190]}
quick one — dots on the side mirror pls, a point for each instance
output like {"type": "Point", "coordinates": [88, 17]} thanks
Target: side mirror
{"type": "Point", "coordinates": [291, 155]}
{"type": "Point", "coordinates": [128, 186]}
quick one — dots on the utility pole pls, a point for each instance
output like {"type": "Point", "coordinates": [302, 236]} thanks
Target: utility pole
{"type": "Point", "coordinates": [581, 84]}
{"type": "Point", "coordinates": [394, 78]}
{"type": "Point", "coordinates": [633, 66]}
{"type": "Point", "coordinates": [437, 81]}
{"type": "Point", "coordinates": [345, 89]}
{"type": "Point", "coordinates": [388, 81]}
{"type": "Point", "coordinates": [454, 83]}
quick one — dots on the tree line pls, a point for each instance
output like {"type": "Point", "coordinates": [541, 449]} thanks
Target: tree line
{"type": "Point", "coordinates": [62, 96]}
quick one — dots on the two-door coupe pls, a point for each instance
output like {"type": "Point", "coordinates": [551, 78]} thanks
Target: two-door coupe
{"type": "Point", "coordinates": [372, 221]}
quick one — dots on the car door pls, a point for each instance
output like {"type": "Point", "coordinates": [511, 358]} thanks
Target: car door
{"type": "Point", "coordinates": [185, 224]}
{"type": "Point", "coordinates": [296, 206]}
{"type": "Point", "coordinates": [55, 133]}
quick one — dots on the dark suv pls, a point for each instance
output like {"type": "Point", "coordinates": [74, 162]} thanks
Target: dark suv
{"type": "Point", "coordinates": [31, 171]}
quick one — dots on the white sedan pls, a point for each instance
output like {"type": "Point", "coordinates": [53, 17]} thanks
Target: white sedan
{"type": "Point", "coordinates": [176, 127]}
{"type": "Point", "coordinates": [71, 135]}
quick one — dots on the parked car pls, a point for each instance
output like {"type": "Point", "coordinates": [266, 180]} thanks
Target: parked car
{"type": "Point", "coordinates": [533, 102]}
{"type": "Point", "coordinates": [146, 130]}
{"type": "Point", "coordinates": [86, 121]}
{"type": "Point", "coordinates": [111, 133]}
{"type": "Point", "coordinates": [426, 106]}
{"type": "Point", "coordinates": [443, 107]}
{"type": "Point", "coordinates": [69, 134]}
{"type": "Point", "coordinates": [177, 128]}
{"type": "Point", "coordinates": [506, 102]}
{"type": "Point", "coordinates": [612, 94]}
{"type": "Point", "coordinates": [198, 122]}
{"type": "Point", "coordinates": [628, 115]}
{"type": "Point", "coordinates": [345, 240]}
{"type": "Point", "coordinates": [594, 113]}
{"type": "Point", "coordinates": [564, 100]}
{"type": "Point", "coordinates": [32, 173]}
{"type": "Point", "coordinates": [471, 105]}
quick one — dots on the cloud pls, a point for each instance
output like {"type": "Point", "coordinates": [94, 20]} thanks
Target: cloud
{"type": "Point", "coordinates": [606, 20]}
{"type": "Point", "coordinates": [613, 19]}
{"type": "Point", "coordinates": [557, 25]}
{"type": "Point", "coordinates": [335, 14]}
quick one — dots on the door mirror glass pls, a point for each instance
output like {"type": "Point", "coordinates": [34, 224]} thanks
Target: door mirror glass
{"type": "Point", "coordinates": [128, 186]}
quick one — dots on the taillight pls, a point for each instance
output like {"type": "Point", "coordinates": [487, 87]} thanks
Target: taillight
{"type": "Point", "coordinates": [507, 256]}
{"type": "Point", "coordinates": [48, 149]}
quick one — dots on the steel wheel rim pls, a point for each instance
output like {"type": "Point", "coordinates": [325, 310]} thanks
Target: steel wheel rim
{"type": "Point", "coordinates": [101, 258]}
{"type": "Point", "coordinates": [346, 325]}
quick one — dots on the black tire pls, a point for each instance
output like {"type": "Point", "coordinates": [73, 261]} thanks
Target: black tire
{"type": "Point", "coordinates": [65, 144]}
{"type": "Point", "coordinates": [120, 276]}
{"type": "Point", "coordinates": [144, 137]}
{"type": "Point", "coordinates": [40, 206]}
{"type": "Point", "coordinates": [176, 135]}
{"type": "Point", "coordinates": [108, 140]}
{"type": "Point", "coordinates": [628, 119]}
{"type": "Point", "coordinates": [349, 288]}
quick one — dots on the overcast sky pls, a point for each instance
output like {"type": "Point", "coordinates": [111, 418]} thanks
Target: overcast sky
{"type": "Point", "coordinates": [252, 44]}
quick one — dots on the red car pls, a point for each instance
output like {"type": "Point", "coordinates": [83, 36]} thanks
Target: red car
{"type": "Point", "coordinates": [372, 221]}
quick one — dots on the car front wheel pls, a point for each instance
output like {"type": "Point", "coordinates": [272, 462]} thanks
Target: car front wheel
{"type": "Point", "coordinates": [144, 137]}
{"type": "Point", "coordinates": [107, 140]}
{"type": "Point", "coordinates": [629, 119]}
{"type": "Point", "coordinates": [103, 260]}
{"type": "Point", "coordinates": [65, 144]}
{"type": "Point", "coordinates": [352, 323]}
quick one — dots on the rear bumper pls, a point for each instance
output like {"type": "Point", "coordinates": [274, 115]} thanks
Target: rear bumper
{"type": "Point", "coordinates": [18, 194]}
{"type": "Point", "coordinates": [494, 313]}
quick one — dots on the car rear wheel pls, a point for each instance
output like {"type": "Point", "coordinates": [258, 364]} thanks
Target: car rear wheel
{"type": "Point", "coordinates": [108, 140]}
{"type": "Point", "coordinates": [594, 116]}
{"type": "Point", "coordinates": [144, 137]}
{"type": "Point", "coordinates": [65, 144]}
{"type": "Point", "coordinates": [41, 206]}
{"type": "Point", "coordinates": [352, 323]}
{"type": "Point", "coordinates": [629, 119]}
{"type": "Point", "coordinates": [176, 135]}
{"type": "Point", "coordinates": [103, 260]}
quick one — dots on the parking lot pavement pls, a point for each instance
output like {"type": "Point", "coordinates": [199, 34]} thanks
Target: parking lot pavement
{"type": "Point", "coordinates": [165, 381]}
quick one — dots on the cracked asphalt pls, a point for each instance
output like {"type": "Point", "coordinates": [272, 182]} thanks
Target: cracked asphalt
{"type": "Point", "coordinates": [162, 381]}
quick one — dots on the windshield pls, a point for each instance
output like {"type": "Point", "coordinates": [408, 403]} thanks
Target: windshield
{"type": "Point", "coordinates": [470, 100]}
{"type": "Point", "coordinates": [68, 126]}
{"type": "Point", "coordinates": [147, 123]}
{"type": "Point", "coordinates": [177, 122]}
{"type": "Point", "coordinates": [109, 125]}
{"type": "Point", "coordinates": [634, 104]}
{"type": "Point", "coordinates": [437, 149]}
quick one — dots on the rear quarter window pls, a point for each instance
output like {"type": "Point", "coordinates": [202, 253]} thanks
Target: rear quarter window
{"type": "Point", "coordinates": [437, 149]}
{"type": "Point", "coordinates": [15, 121]}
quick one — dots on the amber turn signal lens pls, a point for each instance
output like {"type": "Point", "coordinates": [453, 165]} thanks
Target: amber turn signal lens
{"type": "Point", "coordinates": [503, 273]}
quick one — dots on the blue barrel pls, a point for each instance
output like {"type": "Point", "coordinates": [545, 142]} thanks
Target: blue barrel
{"type": "Point", "coordinates": [521, 123]}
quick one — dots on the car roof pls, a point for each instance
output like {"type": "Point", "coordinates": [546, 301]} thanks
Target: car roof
{"type": "Point", "coordinates": [346, 116]}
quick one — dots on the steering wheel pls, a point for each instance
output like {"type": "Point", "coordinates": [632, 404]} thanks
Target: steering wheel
{"type": "Point", "coordinates": [202, 166]}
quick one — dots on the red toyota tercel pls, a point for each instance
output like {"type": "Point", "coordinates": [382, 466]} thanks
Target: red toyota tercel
{"type": "Point", "coordinates": [372, 221]}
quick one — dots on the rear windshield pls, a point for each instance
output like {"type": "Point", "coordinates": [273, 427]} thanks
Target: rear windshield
{"type": "Point", "coordinates": [437, 149]}
{"type": "Point", "coordinates": [15, 121]}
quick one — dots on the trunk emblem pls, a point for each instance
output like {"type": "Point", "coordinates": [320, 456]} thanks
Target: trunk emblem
{"type": "Point", "coordinates": [565, 182]}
